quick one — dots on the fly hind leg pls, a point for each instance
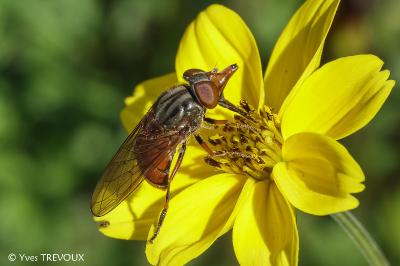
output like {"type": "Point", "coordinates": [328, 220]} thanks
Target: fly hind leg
{"type": "Point", "coordinates": [168, 194]}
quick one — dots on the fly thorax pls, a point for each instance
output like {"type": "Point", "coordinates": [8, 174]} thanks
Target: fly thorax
{"type": "Point", "coordinates": [176, 108]}
{"type": "Point", "coordinates": [248, 145]}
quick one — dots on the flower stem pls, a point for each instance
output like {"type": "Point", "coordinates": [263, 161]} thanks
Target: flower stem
{"type": "Point", "coordinates": [361, 237]}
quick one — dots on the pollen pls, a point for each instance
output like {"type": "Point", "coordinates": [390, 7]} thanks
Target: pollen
{"type": "Point", "coordinates": [249, 145]}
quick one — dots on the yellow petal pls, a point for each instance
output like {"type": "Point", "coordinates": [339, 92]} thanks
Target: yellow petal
{"type": "Point", "coordinates": [133, 218]}
{"type": "Point", "coordinates": [193, 168]}
{"type": "Point", "coordinates": [339, 98]}
{"type": "Point", "coordinates": [318, 174]}
{"type": "Point", "coordinates": [218, 37]}
{"type": "Point", "coordinates": [144, 95]}
{"type": "Point", "coordinates": [298, 51]}
{"type": "Point", "coordinates": [196, 217]}
{"type": "Point", "coordinates": [265, 231]}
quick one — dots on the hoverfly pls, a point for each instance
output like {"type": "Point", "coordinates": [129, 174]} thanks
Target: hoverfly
{"type": "Point", "coordinates": [148, 151]}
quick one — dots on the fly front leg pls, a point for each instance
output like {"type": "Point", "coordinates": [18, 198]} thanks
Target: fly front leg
{"type": "Point", "coordinates": [168, 194]}
{"type": "Point", "coordinates": [204, 144]}
{"type": "Point", "coordinates": [230, 106]}
{"type": "Point", "coordinates": [213, 121]}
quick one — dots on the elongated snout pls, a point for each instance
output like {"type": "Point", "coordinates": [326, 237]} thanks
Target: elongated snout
{"type": "Point", "coordinates": [220, 79]}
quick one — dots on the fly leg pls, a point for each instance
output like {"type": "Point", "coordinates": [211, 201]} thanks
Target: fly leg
{"type": "Point", "coordinates": [204, 144]}
{"type": "Point", "coordinates": [228, 105]}
{"type": "Point", "coordinates": [213, 121]}
{"type": "Point", "coordinates": [168, 195]}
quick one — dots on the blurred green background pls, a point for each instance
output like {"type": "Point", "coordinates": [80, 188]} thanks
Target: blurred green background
{"type": "Point", "coordinates": [65, 68]}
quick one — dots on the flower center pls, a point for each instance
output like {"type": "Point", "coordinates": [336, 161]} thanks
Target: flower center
{"type": "Point", "coordinates": [248, 145]}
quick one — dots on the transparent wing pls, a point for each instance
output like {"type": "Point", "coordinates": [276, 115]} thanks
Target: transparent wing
{"type": "Point", "coordinates": [123, 174]}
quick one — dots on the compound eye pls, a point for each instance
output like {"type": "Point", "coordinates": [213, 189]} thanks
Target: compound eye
{"type": "Point", "coordinates": [189, 74]}
{"type": "Point", "coordinates": [207, 93]}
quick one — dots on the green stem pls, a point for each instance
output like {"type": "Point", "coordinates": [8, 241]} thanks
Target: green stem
{"type": "Point", "coordinates": [362, 238]}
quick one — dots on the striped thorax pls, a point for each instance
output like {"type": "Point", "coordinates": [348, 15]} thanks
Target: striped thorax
{"type": "Point", "coordinates": [177, 105]}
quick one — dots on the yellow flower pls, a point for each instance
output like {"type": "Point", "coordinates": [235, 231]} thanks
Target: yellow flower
{"type": "Point", "coordinates": [303, 166]}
